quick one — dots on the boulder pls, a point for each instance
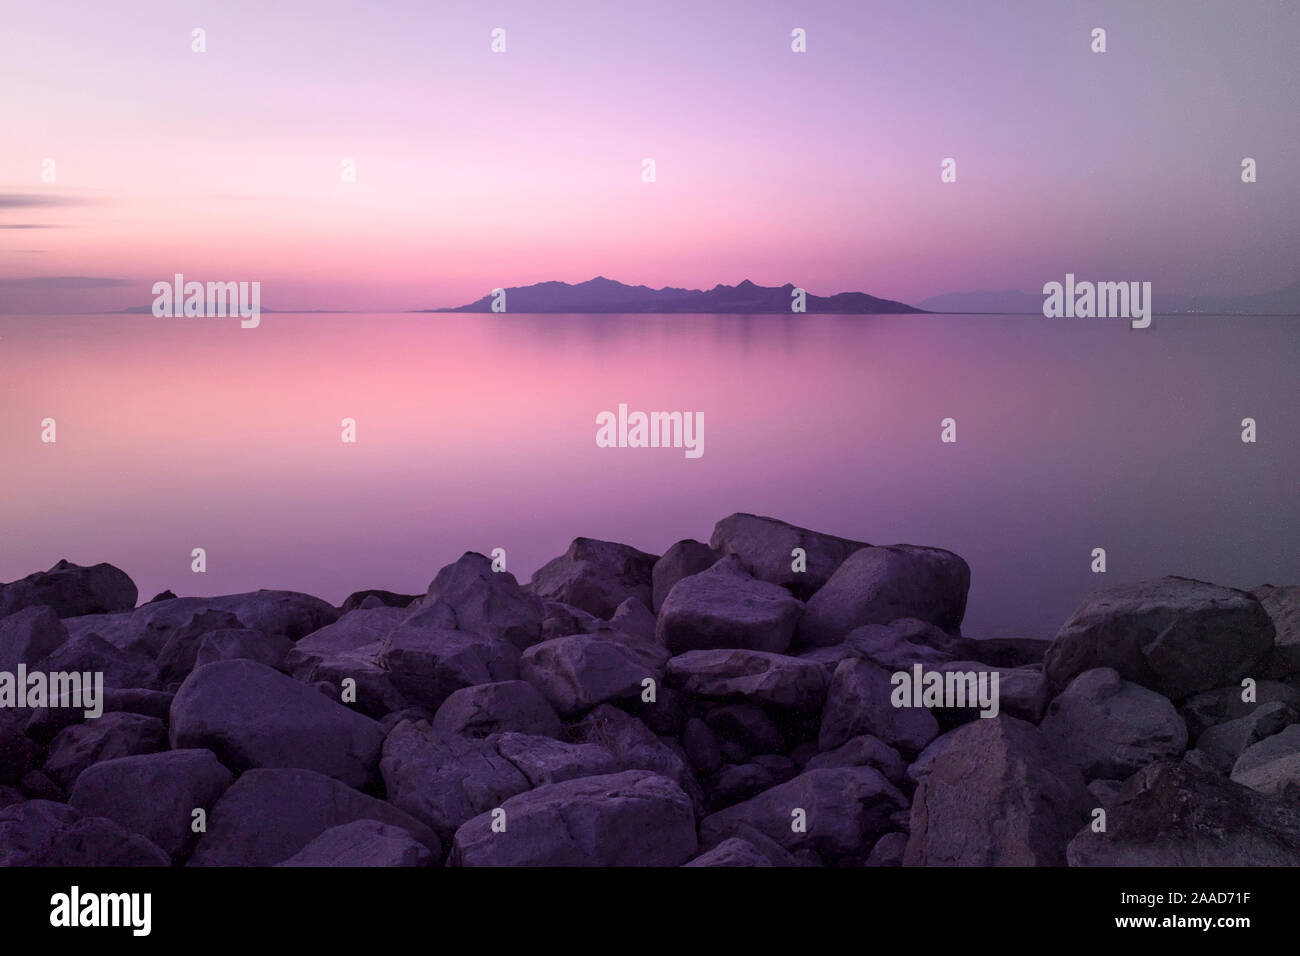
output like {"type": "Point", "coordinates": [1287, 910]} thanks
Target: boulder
{"type": "Point", "coordinates": [888, 851]}
{"type": "Point", "coordinates": [92, 654]}
{"type": "Point", "coordinates": [428, 661]}
{"type": "Point", "coordinates": [104, 738]}
{"type": "Point", "coordinates": [747, 726]}
{"type": "Point", "coordinates": [683, 559]}
{"type": "Point", "coordinates": [765, 548]}
{"type": "Point", "coordinates": [726, 607]}
{"type": "Point", "coordinates": [43, 833]}
{"type": "Point", "coordinates": [252, 716]}
{"type": "Point", "coordinates": [488, 602]}
{"type": "Point", "coordinates": [635, 620]}
{"type": "Point", "coordinates": [633, 818]}
{"type": "Point", "coordinates": [543, 760]}
{"type": "Point", "coordinates": [243, 644]}
{"type": "Point", "coordinates": [577, 672]}
{"type": "Point", "coordinates": [352, 647]}
{"type": "Point", "coordinates": [635, 747]}
{"type": "Point", "coordinates": [71, 590]}
{"type": "Point", "coordinates": [1283, 608]}
{"type": "Point", "coordinates": [1223, 743]}
{"type": "Point", "coordinates": [997, 795]}
{"type": "Point", "coordinates": [1171, 814]}
{"type": "Point", "coordinates": [732, 851]}
{"type": "Point", "coordinates": [1111, 728]}
{"type": "Point", "coordinates": [30, 635]}
{"type": "Point", "coordinates": [1175, 635]}
{"type": "Point", "coordinates": [756, 676]}
{"type": "Point", "coordinates": [288, 614]}
{"type": "Point", "coordinates": [176, 659]}
{"type": "Point", "coordinates": [864, 751]}
{"type": "Point", "coordinates": [268, 816]}
{"type": "Point", "coordinates": [363, 843]}
{"type": "Point", "coordinates": [1272, 765]}
{"type": "Point", "coordinates": [1222, 704]}
{"type": "Point", "coordinates": [505, 706]}
{"type": "Point", "coordinates": [737, 782]}
{"type": "Point", "coordinates": [882, 584]}
{"type": "Point", "coordinates": [1284, 743]}
{"type": "Point", "coordinates": [596, 576]}
{"type": "Point", "coordinates": [154, 794]}
{"type": "Point", "coordinates": [858, 702]}
{"type": "Point", "coordinates": [701, 746]}
{"type": "Point", "coordinates": [376, 598]}
{"type": "Point", "coordinates": [561, 620]}
{"type": "Point", "coordinates": [843, 811]}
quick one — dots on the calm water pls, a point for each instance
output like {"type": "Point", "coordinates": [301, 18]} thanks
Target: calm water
{"type": "Point", "coordinates": [477, 432]}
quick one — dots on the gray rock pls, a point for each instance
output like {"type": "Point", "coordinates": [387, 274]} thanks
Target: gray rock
{"type": "Point", "coordinates": [243, 644]}
{"type": "Point", "coordinates": [725, 607]}
{"type": "Point", "coordinates": [1110, 727]}
{"type": "Point", "coordinates": [352, 647]}
{"type": "Point", "coordinates": [1283, 607]}
{"type": "Point", "coordinates": [765, 548]}
{"type": "Point", "coordinates": [635, 620]}
{"type": "Point", "coordinates": [104, 738]}
{"type": "Point", "coordinates": [252, 716]}
{"type": "Point", "coordinates": [1281, 775]}
{"type": "Point", "coordinates": [596, 576]}
{"type": "Point", "coordinates": [888, 851]}
{"type": "Point", "coordinates": [1223, 743]}
{"type": "Point", "coordinates": [701, 746]}
{"type": "Point", "coordinates": [894, 646]}
{"type": "Point", "coordinates": [845, 810]}
{"type": "Point", "coordinates": [71, 590]}
{"type": "Point", "coordinates": [154, 794]}
{"type": "Point", "coordinates": [542, 760]}
{"type": "Point", "coordinates": [429, 662]}
{"type": "Point", "coordinates": [864, 751]}
{"type": "Point", "coordinates": [756, 676]}
{"type": "Point", "coordinates": [1175, 635]}
{"type": "Point", "coordinates": [1225, 703]}
{"type": "Point", "coordinates": [43, 833]}
{"type": "Point", "coordinates": [1171, 814]}
{"type": "Point", "coordinates": [29, 635]}
{"type": "Point", "coordinates": [683, 559]}
{"type": "Point", "coordinates": [268, 816]}
{"type": "Point", "coordinates": [858, 702]}
{"type": "Point", "coordinates": [635, 747]}
{"type": "Point", "coordinates": [746, 725]}
{"type": "Point", "coordinates": [176, 659]}
{"type": "Point", "coordinates": [996, 795]}
{"type": "Point", "coordinates": [578, 672]}
{"type": "Point", "coordinates": [46, 722]}
{"type": "Point", "coordinates": [737, 782]}
{"type": "Point", "coordinates": [561, 620]}
{"type": "Point", "coordinates": [514, 706]}
{"type": "Point", "coordinates": [488, 602]}
{"type": "Point", "coordinates": [732, 851]}
{"type": "Point", "coordinates": [634, 818]}
{"type": "Point", "coordinates": [362, 843]}
{"type": "Point", "coordinates": [276, 613]}
{"type": "Point", "coordinates": [94, 655]}
{"type": "Point", "coordinates": [376, 598]}
{"type": "Point", "coordinates": [1281, 744]}
{"type": "Point", "coordinates": [880, 585]}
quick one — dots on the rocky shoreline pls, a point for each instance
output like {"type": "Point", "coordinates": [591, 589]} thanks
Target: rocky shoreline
{"type": "Point", "coordinates": [735, 703]}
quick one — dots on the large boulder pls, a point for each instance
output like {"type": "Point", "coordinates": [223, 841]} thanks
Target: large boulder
{"type": "Point", "coordinates": [577, 672]}
{"type": "Point", "coordinates": [765, 547]}
{"type": "Point", "coordinates": [351, 648]}
{"type": "Point", "coordinates": [835, 812]}
{"type": "Point", "coordinates": [683, 559]}
{"type": "Point", "coordinates": [1283, 607]}
{"type": "Point", "coordinates": [597, 576]}
{"type": "Point", "coordinates": [1224, 743]}
{"type": "Point", "coordinates": [636, 747]}
{"type": "Point", "coordinates": [44, 833]}
{"type": "Point", "coordinates": [71, 590]}
{"type": "Point", "coordinates": [997, 795]}
{"type": "Point", "coordinates": [863, 751]}
{"type": "Point", "coordinates": [1223, 704]}
{"type": "Point", "coordinates": [633, 818]}
{"type": "Point", "coordinates": [375, 597]}
{"type": "Point", "coordinates": [757, 676]}
{"type": "Point", "coordinates": [154, 794]}
{"type": "Point", "coordinates": [881, 584]}
{"type": "Point", "coordinates": [1271, 765]}
{"type": "Point", "coordinates": [288, 614]}
{"type": "Point", "coordinates": [243, 644]}
{"type": "Point", "coordinates": [29, 635]}
{"type": "Point", "coordinates": [512, 706]}
{"type": "Point", "coordinates": [267, 816]}
{"type": "Point", "coordinates": [488, 602]}
{"type": "Point", "coordinates": [894, 646]}
{"type": "Point", "coordinates": [429, 661]}
{"type": "Point", "coordinates": [252, 716]}
{"type": "Point", "coordinates": [726, 607]}
{"type": "Point", "coordinates": [1175, 635]}
{"type": "Point", "coordinates": [733, 851]}
{"type": "Point", "coordinates": [1111, 728]}
{"type": "Point", "coordinates": [94, 655]}
{"type": "Point", "coordinates": [858, 702]}
{"type": "Point", "coordinates": [176, 659]}
{"type": "Point", "coordinates": [362, 843]}
{"type": "Point", "coordinates": [106, 737]}
{"type": "Point", "coordinates": [1172, 814]}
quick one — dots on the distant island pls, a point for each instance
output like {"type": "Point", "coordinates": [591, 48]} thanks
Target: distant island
{"type": "Point", "coordinates": [601, 295]}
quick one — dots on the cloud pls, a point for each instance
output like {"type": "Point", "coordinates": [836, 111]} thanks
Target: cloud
{"type": "Point", "coordinates": [46, 283]}
{"type": "Point", "coordinates": [27, 225]}
{"type": "Point", "coordinates": [27, 200]}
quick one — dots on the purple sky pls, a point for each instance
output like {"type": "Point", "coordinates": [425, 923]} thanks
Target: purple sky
{"type": "Point", "coordinates": [477, 170]}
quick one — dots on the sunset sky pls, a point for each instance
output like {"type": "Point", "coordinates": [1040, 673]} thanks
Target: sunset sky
{"type": "Point", "coordinates": [477, 170]}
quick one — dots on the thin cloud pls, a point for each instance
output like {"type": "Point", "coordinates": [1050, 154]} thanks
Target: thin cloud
{"type": "Point", "coordinates": [62, 283]}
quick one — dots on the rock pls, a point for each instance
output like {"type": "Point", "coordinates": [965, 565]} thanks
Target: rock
{"type": "Point", "coordinates": [428, 662]}
{"type": "Point", "coordinates": [578, 672]}
{"type": "Point", "coordinates": [1010, 652]}
{"type": "Point", "coordinates": [845, 810]}
{"type": "Point", "coordinates": [737, 782]}
{"type": "Point", "coordinates": [996, 795]}
{"type": "Point", "coordinates": [756, 676]}
{"type": "Point", "coordinates": [1105, 793]}
{"type": "Point", "coordinates": [154, 794]}
{"type": "Point", "coordinates": [506, 706]}
{"type": "Point", "coordinates": [1223, 743]}
{"type": "Point", "coordinates": [351, 647]}
{"type": "Point", "coordinates": [858, 702]}
{"type": "Point", "coordinates": [701, 746]}
{"type": "Point", "coordinates": [162, 596]}
{"type": "Point", "coordinates": [888, 851]}
{"type": "Point", "coordinates": [105, 738]}
{"type": "Point", "coordinates": [1175, 635]}
{"type": "Point", "coordinates": [765, 548]}
{"type": "Point", "coordinates": [633, 818]}
{"type": "Point", "coordinates": [1225, 703]}
{"type": "Point", "coordinates": [666, 715]}
{"type": "Point", "coordinates": [543, 760]}
{"type": "Point", "coordinates": [382, 599]}
{"type": "Point", "coordinates": [362, 843]}
{"type": "Point", "coordinates": [880, 585]}
{"type": "Point", "coordinates": [561, 620]}
{"type": "Point", "coordinates": [725, 607]}
{"type": "Point", "coordinates": [44, 833]}
{"type": "Point", "coordinates": [732, 851]}
{"type": "Point", "coordinates": [8, 797]}
{"type": "Point", "coordinates": [488, 602]}
{"type": "Point", "coordinates": [596, 576]}
{"type": "Point", "coordinates": [46, 722]}
{"type": "Point", "coordinates": [1110, 727]}
{"type": "Point", "coordinates": [286, 614]}
{"type": "Point", "coordinates": [1171, 814]}
{"type": "Point", "coordinates": [919, 767]}
{"type": "Point", "coordinates": [894, 646]}
{"type": "Point", "coordinates": [635, 620]}
{"type": "Point", "coordinates": [252, 716]}
{"type": "Point", "coordinates": [243, 644]}
{"type": "Point", "coordinates": [1281, 775]}
{"type": "Point", "coordinates": [268, 816]}
{"type": "Point", "coordinates": [1021, 692]}
{"type": "Point", "coordinates": [1281, 744]}
{"type": "Point", "coordinates": [36, 785]}
{"type": "Point", "coordinates": [96, 656]}
{"type": "Point", "coordinates": [748, 726]}
{"type": "Point", "coordinates": [30, 635]}
{"type": "Point", "coordinates": [176, 659]}
{"type": "Point", "coordinates": [635, 747]}
{"type": "Point", "coordinates": [864, 751]}
{"type": "Point", "coordinates": [683, 559]}
{"type": "Point", "coordinates": [71, 590]}
{"type": "Point", "coordinates": [1283, 608]}
{"type": "Point", "coordinates": [120, 629]}
{"type": "Point", "coordinates": [444, 780]}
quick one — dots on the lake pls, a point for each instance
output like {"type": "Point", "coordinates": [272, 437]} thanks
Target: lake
{"type": "Point", "coordinates": [478, 431]}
